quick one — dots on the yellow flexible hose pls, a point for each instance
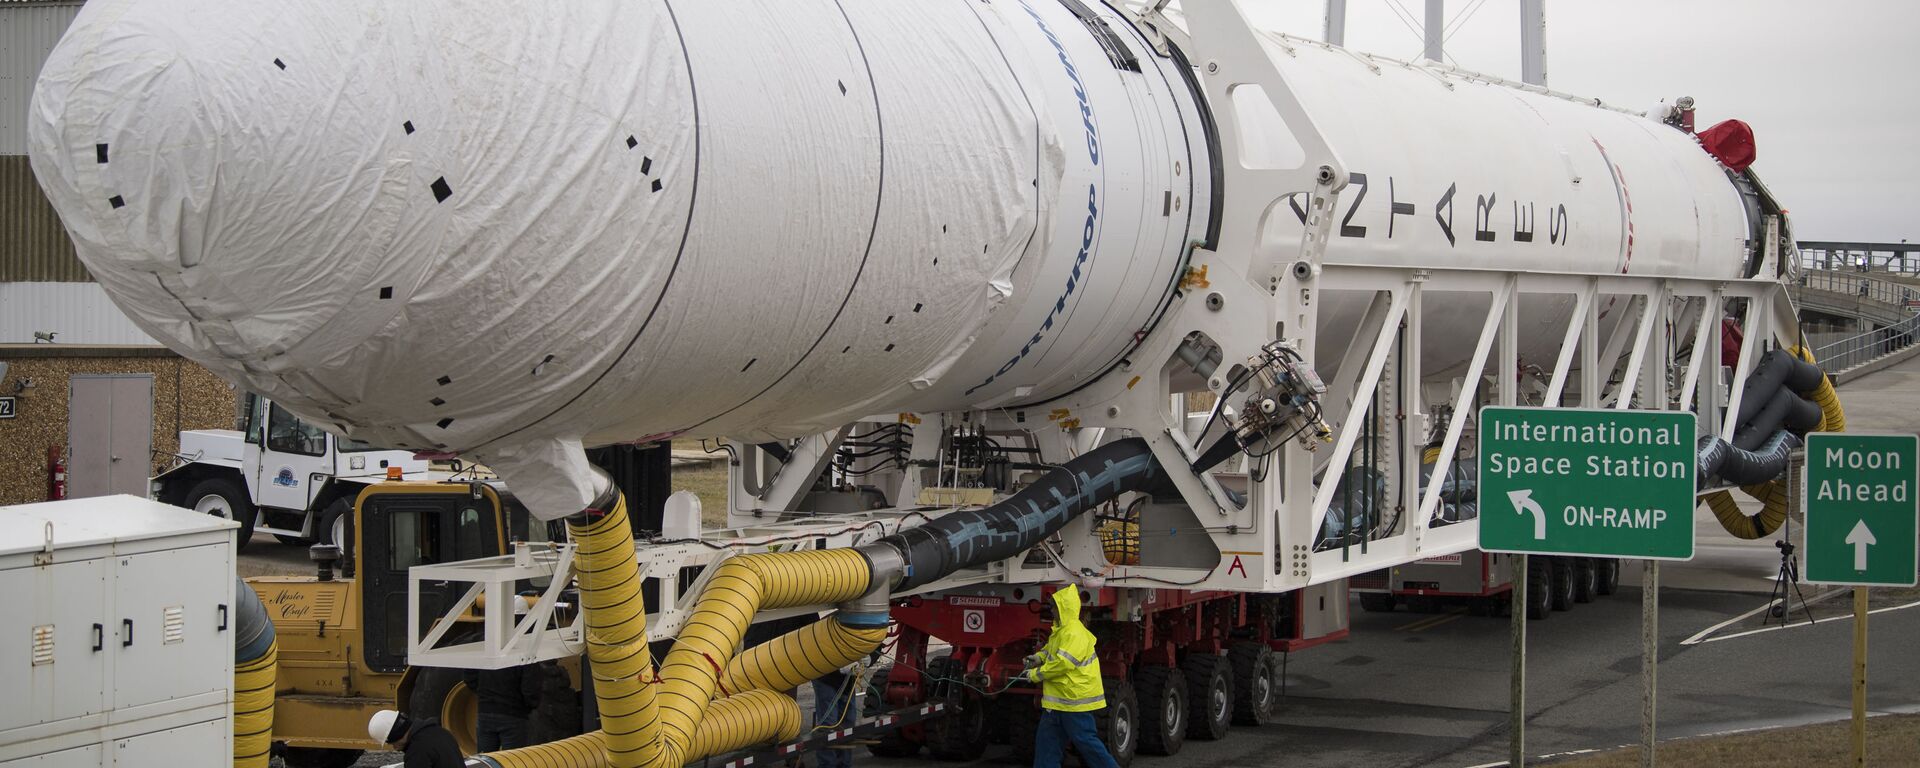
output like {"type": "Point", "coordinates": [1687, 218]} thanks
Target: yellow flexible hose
{"type": "Point", "coordinates": [796, 657]}
{"type": "Point", "coordinates": [1833, 418]}
{"type": "Point", "coordinates": [1773, 494]}
{"type": "Point", "coordinates": [670, 718]}
{"type": "Point", "coordinates": [253, 685]}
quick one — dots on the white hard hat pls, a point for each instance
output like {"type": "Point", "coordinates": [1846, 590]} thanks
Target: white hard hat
{"type": "Point", "coordinates": [385, 726]}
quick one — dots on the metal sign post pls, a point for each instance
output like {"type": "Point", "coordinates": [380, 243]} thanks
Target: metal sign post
{"type": "Point", "coordinates": [1517, 706]}
{"type": "Point", "coordinates": [1649, 659]}
{"type": "Point", "coordinates": [1859, 497]}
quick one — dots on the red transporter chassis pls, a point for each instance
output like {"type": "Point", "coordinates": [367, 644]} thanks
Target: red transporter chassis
{"type": "Point", "coordinates": [1163, 632]}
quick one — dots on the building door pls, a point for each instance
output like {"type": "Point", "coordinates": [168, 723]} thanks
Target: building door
{"type": "Point", "coordinates": [109, 434]}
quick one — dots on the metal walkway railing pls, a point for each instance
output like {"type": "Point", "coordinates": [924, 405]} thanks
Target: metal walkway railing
{"type": "Point", "coordinates": [1859, 348]}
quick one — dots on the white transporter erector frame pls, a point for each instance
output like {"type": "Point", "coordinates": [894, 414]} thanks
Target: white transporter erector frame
{"type": "Point", "coordinates": [1364, 209]}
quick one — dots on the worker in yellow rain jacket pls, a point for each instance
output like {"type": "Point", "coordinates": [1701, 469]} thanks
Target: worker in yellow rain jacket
{"type": "Point", "coordinates": [1069, 676]}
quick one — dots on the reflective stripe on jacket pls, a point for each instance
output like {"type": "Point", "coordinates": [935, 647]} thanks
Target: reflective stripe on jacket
{"type": "Point", "coordinates": [1069, 676]}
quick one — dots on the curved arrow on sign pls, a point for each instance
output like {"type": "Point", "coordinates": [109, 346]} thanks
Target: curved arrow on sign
{"type": "Point", "coordinates": [1523, 503]}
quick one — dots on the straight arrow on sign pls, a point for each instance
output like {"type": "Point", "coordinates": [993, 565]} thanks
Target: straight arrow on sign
{"type": "Point", "coordinates": [1860, 538]}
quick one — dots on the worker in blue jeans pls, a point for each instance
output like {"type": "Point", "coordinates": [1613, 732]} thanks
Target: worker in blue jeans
{"type": "Point", "coordinates": [832, 695]}
{"type": "Point", "coordinates": [1070, 691]}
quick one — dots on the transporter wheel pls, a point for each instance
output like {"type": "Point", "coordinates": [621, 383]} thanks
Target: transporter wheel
{"type": "Point", "coordinates": [1608, 581]}
{"type": "Point", "coordinates": [1539, 589]}
{"type": "Point", "coordinates": [1021, 714]}
{"type": "Point", "coordinates": [1586, 579]}
{"type": "Point", "coordinates": [962, 733]}
{"type": "Point", "coordinates": [1119, 722]}
{"type": "Point", "coordinates": [219, 497]}
{"type": "Point", "coordinates": [313, 757]}
{"type": "Point", "coordinates": [1377, 602]}
{"type": "Point", "coordinates": [1561, 570]}
{"type": "Point", "coordinates": [1162, 695]}
{"type": "Point", "coordinates": [892, 743]}
{"type": "Point", "coordinates": [1210, 696]}
{"type": "Point", "coordinates": [1256, 683]}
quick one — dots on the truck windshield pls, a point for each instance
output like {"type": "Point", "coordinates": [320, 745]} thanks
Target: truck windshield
{"type": "Point", "coordinates": [288, 434]}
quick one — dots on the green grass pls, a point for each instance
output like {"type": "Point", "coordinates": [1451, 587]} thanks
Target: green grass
{"type": "Point", "coordinates": [708, 481]}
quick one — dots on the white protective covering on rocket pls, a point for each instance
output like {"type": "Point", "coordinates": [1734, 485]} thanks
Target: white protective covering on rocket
{"type": "Point", "coordinates": [506, 230]}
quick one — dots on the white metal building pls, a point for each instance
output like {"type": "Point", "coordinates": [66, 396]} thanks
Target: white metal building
{"type": "Point", "coordinates": [44, 289]}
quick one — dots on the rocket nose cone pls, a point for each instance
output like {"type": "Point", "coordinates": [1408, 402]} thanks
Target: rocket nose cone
{"type": "Point", "coordinates": [194, 153]}
{"type": "Point", "coordinates": [114, 120]}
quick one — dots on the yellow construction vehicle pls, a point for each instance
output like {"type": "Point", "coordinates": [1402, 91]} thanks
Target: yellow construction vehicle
{"type": "Point", "coordinates": [343, 637]}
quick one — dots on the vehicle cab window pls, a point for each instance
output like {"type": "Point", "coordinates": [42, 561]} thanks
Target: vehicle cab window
{"type": "Point", "coordinates": [250, 423]}
{"type": "Point", "coordinates": [288, 434]}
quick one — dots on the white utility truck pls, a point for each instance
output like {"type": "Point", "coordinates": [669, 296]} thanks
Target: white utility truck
{"type": "Point", "coordinates": [278, 474]}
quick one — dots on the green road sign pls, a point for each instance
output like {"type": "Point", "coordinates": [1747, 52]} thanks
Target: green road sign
{"type": "Point", "coordinates": [1575, 481]}
{"type": "Point", "coordinates": [1859, 498]}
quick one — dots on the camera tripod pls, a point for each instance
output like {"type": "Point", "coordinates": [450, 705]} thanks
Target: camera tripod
{"type": "Point", "coordinates": [1787, 579]}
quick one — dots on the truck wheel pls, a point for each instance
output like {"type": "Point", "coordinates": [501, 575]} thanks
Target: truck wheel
{"type": "Point", "coordinates": [1256, 683]}
{"type": "Point", "coordinates": [1561, 569]}
{"type": "Point", "coordinates": [962, 733]}
{"type": "Point", "coordinates": [1119, 722]}
{"type": "Point", "coordinates": [219, 497]}
{"type": "Point", "coordinates": [1162, 695]}
{"type": "Point", "coordinates": [1586, 580]}
{"type": "Point", "coordinates": [1022, 718]}
{"type": "Point", "coordinates": [335, 526]}
{"type": "Point", "coordinates": [312, 757]}
{"type": "Point", "coordinates": [1377, 602]}
{"type": "Point", "coordinates": [1210, 696]}
{"type": "Point", "coordinates": [1539, 589]}
{"type": "Point", "coordinates": [442, 694]}
{"type": "Point", "coordinates": [1608, 581]}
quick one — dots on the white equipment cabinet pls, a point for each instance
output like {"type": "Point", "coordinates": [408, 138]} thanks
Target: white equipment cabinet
{"type": "Point", "coordinates": [116, 647]}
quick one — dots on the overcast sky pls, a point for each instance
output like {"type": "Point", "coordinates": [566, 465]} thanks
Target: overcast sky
{"type": "Point", "coordinates": [1831, 87]}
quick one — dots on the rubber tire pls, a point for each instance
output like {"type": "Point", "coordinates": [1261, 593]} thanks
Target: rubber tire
{"type": "Point", "coordinates": [1256, 683]}
{"type": "Point", "coordinates": [1562, 570]}
{"type": "Point", "coordinates": [1021, 714]}
{"type": "Point", "coordinates": [1378, 602]}
{"type": "Point", "coordinates": [1539, 589]}
{"type": "Point", "coordinates": [1118, 723]}
{"type": "Point", "coordinates": [341, 511]}
{"type": "Point", "coordinates": [236, 502]}
{"type": "Point", "coordinates": [1609, 579]}
{"type": "Point", "coordinates": [1586, 580]}
{"type": "Point", "coordinates": [432, 687]}
{"type": "Point", "coordinates": [962, 734]}
{"type": "Point", "coordinates": [1209, 696]}
{"type": "Point", "coordinates": [313, 757]}
{"type": "Point", "coordinates": [1162, 695]}
{"type": "Point", "coordinates": [892, 743]}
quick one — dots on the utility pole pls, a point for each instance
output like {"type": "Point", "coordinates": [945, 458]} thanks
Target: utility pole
{"type": "Point", "coordinates": [1336, 29]}
{"type": "Point", "coordinates": [1533, 42]}
{"type": "Point", "coordinates": [1436, 29]}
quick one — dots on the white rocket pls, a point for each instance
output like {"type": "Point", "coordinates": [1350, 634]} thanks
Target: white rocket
{"type": "Point", "coordinates": [507, 229]}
